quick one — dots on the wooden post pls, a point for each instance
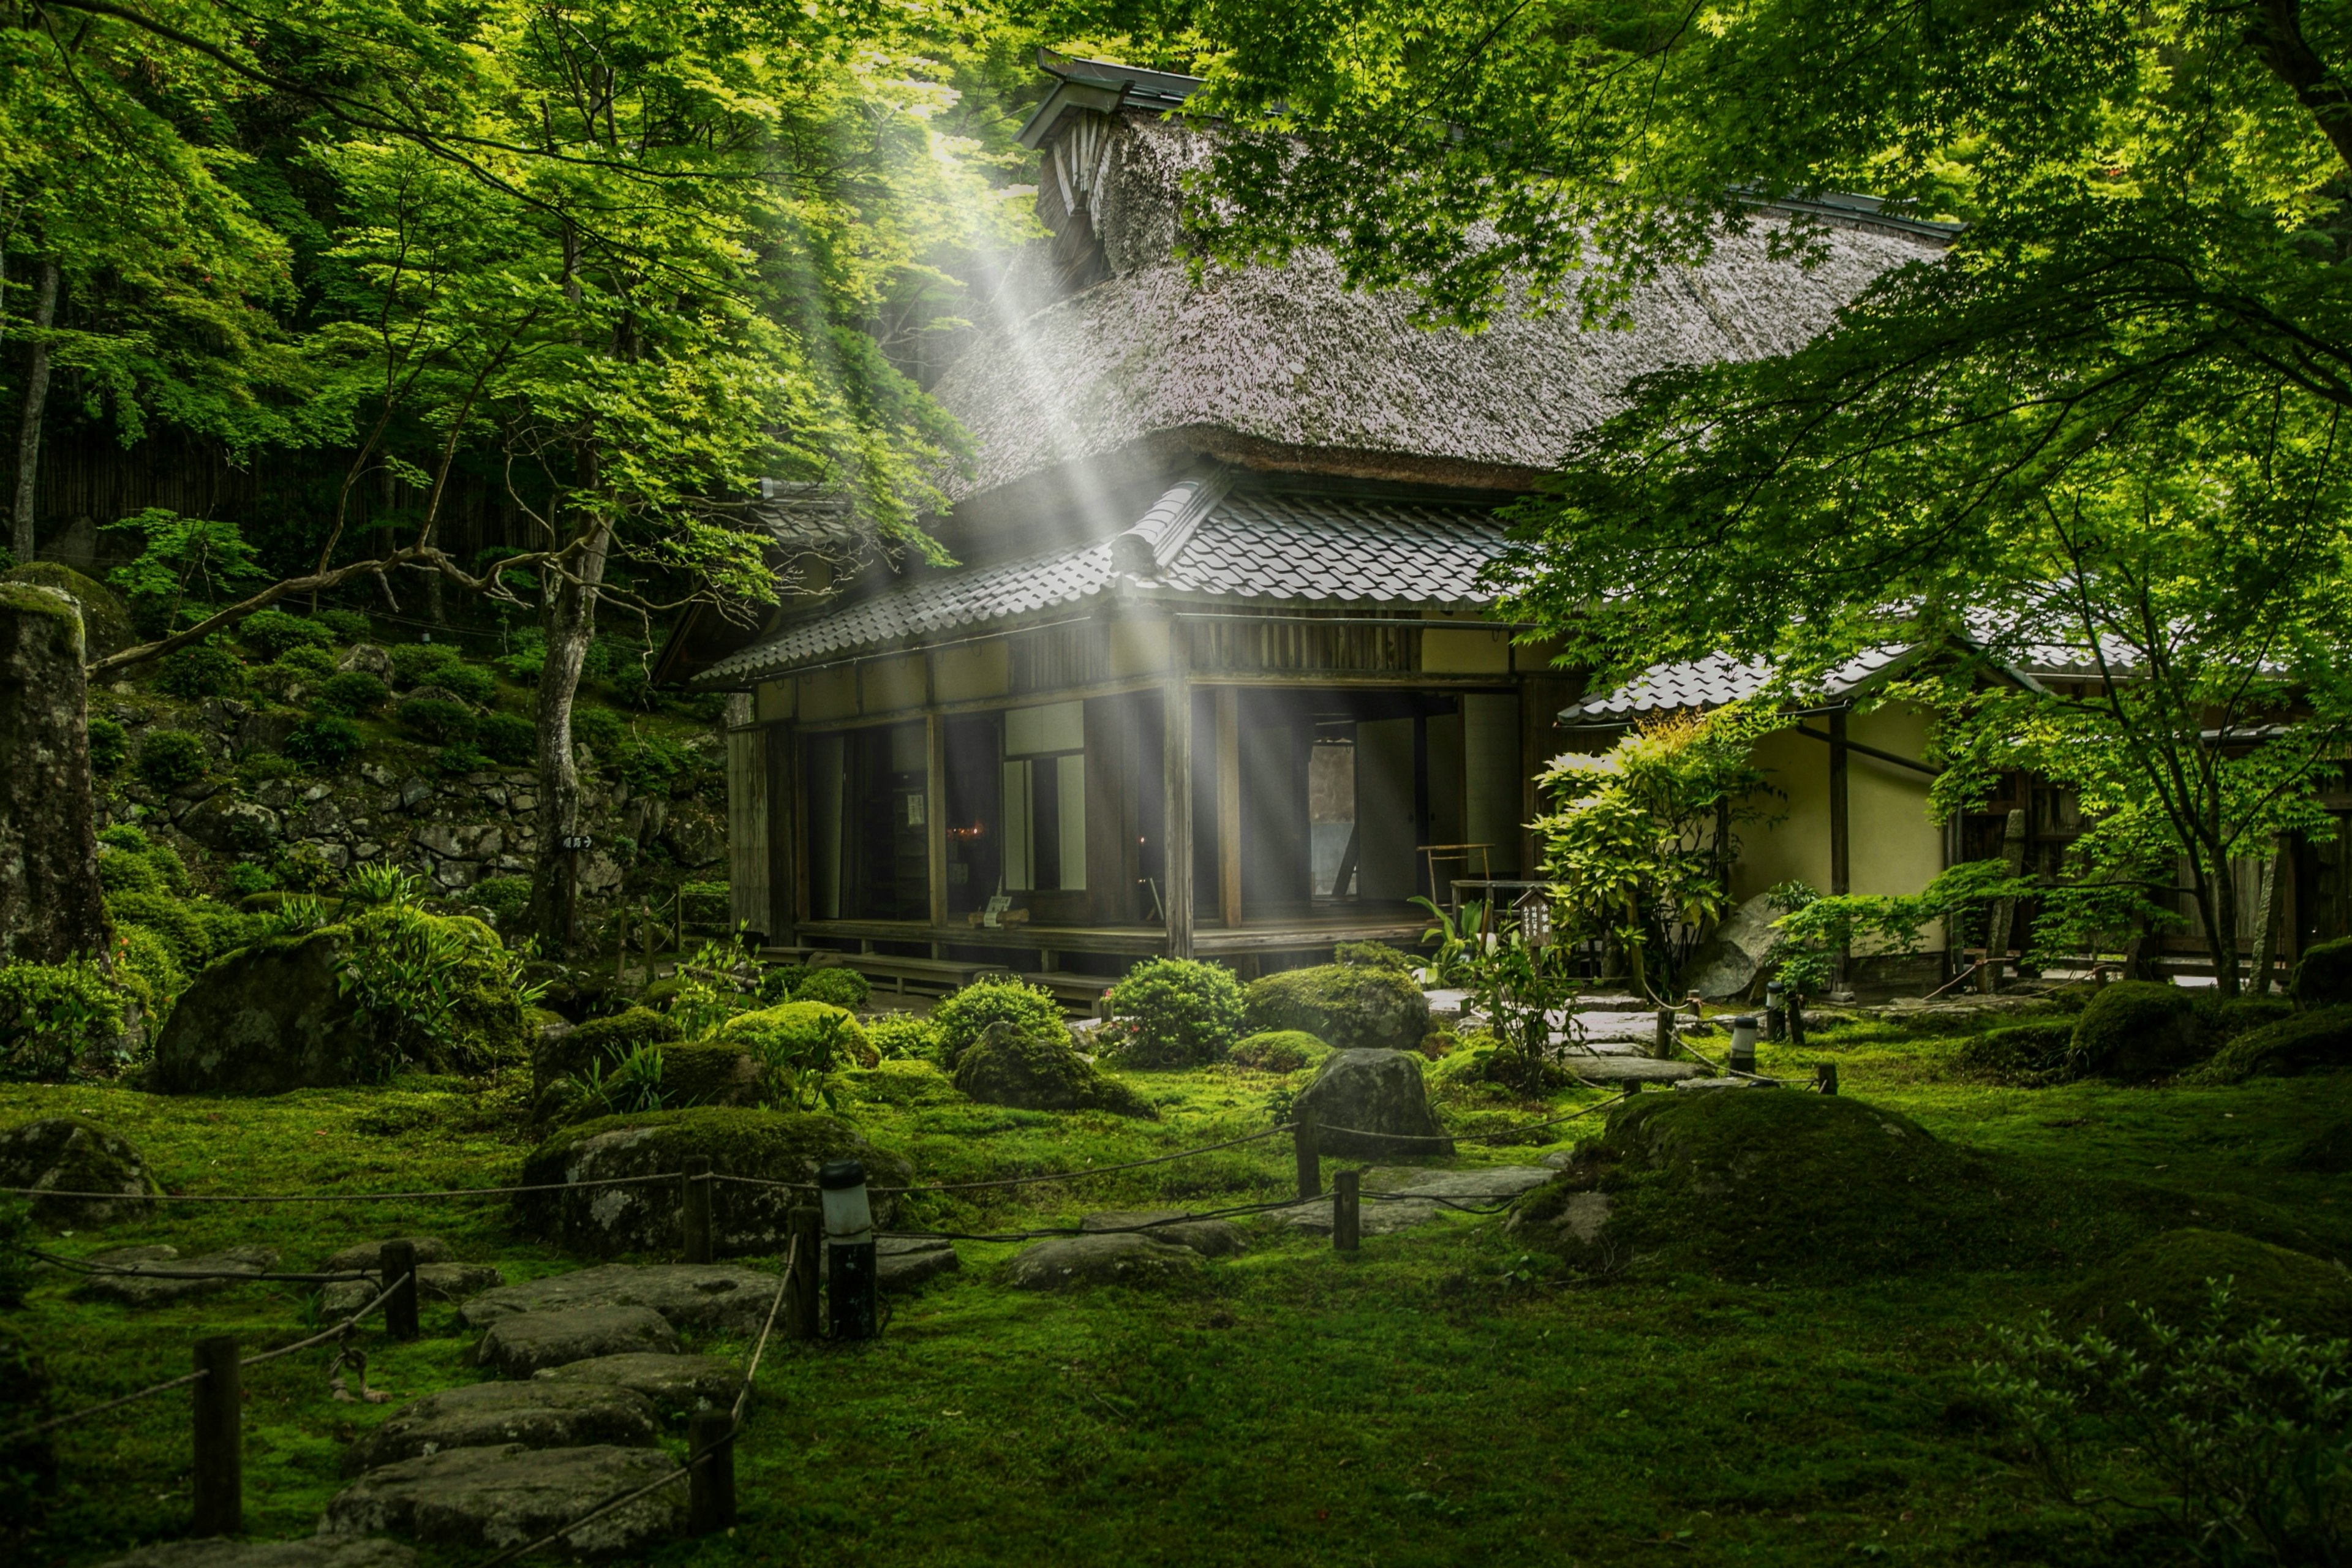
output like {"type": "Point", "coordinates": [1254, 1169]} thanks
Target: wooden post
{"type": "Point", "coordinates": [1825, 1077]}
{"type": "Point", "coordinates": [1347, 1210]}
{"type": "Point", "coordinates": [219, 1470]}
{"type": "Point", "coordinates": [2004, 910]}
{"type": "Point", "coordinates": [694, 1207]}
{"type": "Point", "coordinates": [398, 1262]}
{"type": "Point", "coordinates": [1229, 807]}
{"type": "Point", "coordinates": [935, 816]}
{"type": "Point", "coordinates": [710, 1484]}
{"type": "Point", "coordinates": [1662, 1048]}
{"type": "Point", "coordinates": [1176, 827]}
{"type": "Point", "coordinates": [1796, 1019]}
{"type": "Point", "coordinates": [1840, 824]}
{"type": "Point", "coordinates": [800, 1294]}
{"type": "Point", "coordinates": [1310, 1161]}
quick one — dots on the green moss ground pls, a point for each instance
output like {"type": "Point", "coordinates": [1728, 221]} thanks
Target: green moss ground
{"type": "Point", "coordinates": [1441, 1398]}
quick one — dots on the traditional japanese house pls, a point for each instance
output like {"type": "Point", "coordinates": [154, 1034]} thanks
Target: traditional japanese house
{"type": "Point", "coordinates": [1214, 672]}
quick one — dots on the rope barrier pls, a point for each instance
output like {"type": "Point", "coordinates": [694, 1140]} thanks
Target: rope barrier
{"type": "Point", "coordinates": [1020, 1181]}
{"type": "Point", "coordinates": [1429, 1198]}
{"type": "Point", "coordinates": [70, 1417]}
{"type": "Point", "coordinates": [1048, 1233]}
{"type": "Point", "coordinates": [1507, 1132]}
{"type": "Point", "coordinates": [339, 1198]}
{"type": "Point", "coordinates": [109, 1270]}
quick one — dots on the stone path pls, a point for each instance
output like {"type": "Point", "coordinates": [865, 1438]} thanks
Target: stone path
{"type": "Point", "coordinates": [1419, 1192]}
{"type": "Point", "coordinates": [143, 1290]}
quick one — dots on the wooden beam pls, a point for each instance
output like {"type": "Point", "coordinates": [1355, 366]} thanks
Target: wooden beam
{"type": "Point", "coordinates": [1228, 808]}
{"type": "Point", "coordinates": [785, 831]}
{"type": "Point", "coordinates": [935, 815]}
{"type": "Point", "coordinates": [1176, 827]}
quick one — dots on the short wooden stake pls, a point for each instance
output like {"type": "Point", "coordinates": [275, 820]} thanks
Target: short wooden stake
{"type": "Point", "coordinates": [1662, 1048]}
{"type": "Point", "coordinates": [1825, 1077]}
{"type": "Point", "coordinates": [694, 1207]}
{"type": "Point", "coordinates": [710, 1484]}
{"type": "Point", "coordinates": [1347, 1210]}
{"type": "Point", "coordinates": [1797, 1021]}
{"type": "Point", "coordinates": [398, 1262]}
{"type": "Point", "coordinates": [800, 1294]}
{"type": "Point", "coordinates": [1310, 1158]}
{"type": "Point", "coordinates": [219, 1469]}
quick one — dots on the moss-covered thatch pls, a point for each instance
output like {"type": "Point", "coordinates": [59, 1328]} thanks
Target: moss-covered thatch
{"type": "Point", "coordinates": [2166, 1278]}
{"type": "Point", "coordinates": [2300, 1044]}
{"type": "Point", "coordinates": [1034, 1072]}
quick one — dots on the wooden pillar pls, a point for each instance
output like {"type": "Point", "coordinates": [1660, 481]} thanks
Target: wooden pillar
{"type": "Point", "coordinates": [1176, 793]}
{"type": "Point", "coordinates": [1840, 846]}
{"type": "Point", "coordinates": [935, 818]}
{"type": "Point", "coordinates": [1229, 807]}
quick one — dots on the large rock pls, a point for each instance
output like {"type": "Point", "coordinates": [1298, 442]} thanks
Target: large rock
{"type": "Point", "coordinates": [768, 1145]}
{"type": "Point", "coordinates": [478, 1499]}
{"type": "Point", "coordinates": [1352, 1007]}
{"type": "Point", "coordinates": [1727, 963]}
{"type": "Point", "coordinates": [366, 1254]}
{"type": "Point", "coordinates": [369, 659]}
{"type": "Point", "coordinates": [1209, 1237]}
{"type": "Point", "coordinates": [72, 1154]}
{"type": "Point", "coordinates": [536, 1415]}
{"type": "Point", "coordinates": [677, 1385]}
{"type": "Point", "coordinates": [150, 1276]}
{"type": "Point", "coordinates": [435, 1282]}
{"type": "Point", "coordinates": [520, 1345]}
{"type": "Point", "coordinates": [1410, 1197]}
{"type": "Point", "coordinates": [1117, 1258]}
{"type": "Point", "coordinates": [105, 625]}
{"type": "Point", "coordinates": [1030, 1070]}
{"type": "Point", "coordinates": [233, 827]}
{"type": "Point", "coordinates": [314, 1551]}
{"type": "Point", "coordinates": [2135, 1030]}
{"type": "Point", "coordinates": [269, 1018]}
{"type": "Point", "coordinates": [694, 1298]}
{"type": "Point", "coordinates": [51, 902]}
{"type": "Point", "coordinates": [1369, 1105]}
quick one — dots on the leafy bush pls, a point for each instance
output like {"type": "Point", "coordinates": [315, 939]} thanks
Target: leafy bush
{"type": "Point", "coordinates": [260, 767]}
{"type": "Point", "coordinates": [126, 836]}
{"type": "Point", "coordinates": [470, 682]}
{"type": "Point", "coordinates": [510, 738]}
{"type": "Point", "coordinates": [2322, 975]}
{"type": "Point", "coordinates": [382, 882]}
{"type": "Point", "coordinates": [456, 998]}
{"type": "Point", "coordinates": [634, 1083]}
{"type": "Point", "coordinates": [169, 918]}
{"type": "Point", "coordinates": [1280, 1050]}
{"type": "Point", "coordinates": [902, 1037]}
{"type": "Point", "coordinates": [203, 669]}
{"type": "Point", "coordinates": [2134, 1030]}
{"type": "Point", "coordinates": [2238, 1437]}
{"type": "Point", "coordinates": [778, 982]}
{"type": "Point", "coordinates": [840, 987]}
{"type": "Point", "coordinates": [170, 758]}
{"type": "Point", "coordinates": [436, 721]}
{"type": "Point", "coordinates": [305, 870]}
{"type": "Point", "coordinates": [246, 878]}
{"type": "Point", "coordinates": [421, 663]}
{"type": "Point", "coordinates": [126, 871]}
{"type": "Point", "coordinates": [652, 763]}
{"type": "Point", "coordinates": [799, 1046]}
{"type": "Point", "coordinates": [108, 743]}
{"type": "Point", "coordinates": [1174, 1012]}
{"type": "Point", "coordinates": [306, 664]}
{"type": "Point", "coordinates": [349, 626]}
{"type": "Point", "coordinates": [271, 633]}
{"type": "Point", "coordinates": [225, 930]}
{"type": "Point", "coordinates": [529, 658]}
{"type": "Point", "coordinates": [504, 896]}
{"type": "Point", "coordinates": [324, 744]}
{"type": "Point", "coordinates": [52, 1013]}
{"type": "Point", "coordinates": [354, 693]}
{"type": "Point", "coordinates": [599, 728]}
{"type": "Point", "coordinates": [963, 1016]}
{"type": "Point", "coordinates": [1373, 955]}
{"type": "Point", "coordinates": [458, 760]}
{"type": "Point", "coordinates": [147, 966]}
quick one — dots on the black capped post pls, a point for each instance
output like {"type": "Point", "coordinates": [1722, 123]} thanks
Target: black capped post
{"type": "Point", "coordinates": [219, 1470]}
{"type": "Point", "coordinates": [710, 1484]}
{"type": "Point", "coordinates": [395, 1264]}
{"type": "Point", "coordinates": [850, 1266]}
{"type": "Point", "coordinates": [694, 1207]}
{"type": "Point", "coordinates": [1347, 1210]}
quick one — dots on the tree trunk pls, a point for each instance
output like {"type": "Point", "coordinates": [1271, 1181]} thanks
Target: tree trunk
{"type": "Point", "coordinates": [2217, 905]}
{"type": "Point", "coordinates": [28, 430]}
{"type": "Point", "coordinates": [51, 906]}
{"type": "Point", "coordinates": [571, 623]}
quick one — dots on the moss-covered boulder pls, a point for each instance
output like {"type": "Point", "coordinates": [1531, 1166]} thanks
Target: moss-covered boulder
{"type": "Point", "coordinates": [74, 1154]}
{"type": "Point", "coordinates": [2030, 1054]}
{"type": "Point", "coordinates": [105, 624]}
{"type": "Point", "coordinates": [1354, 1006]}
{"type": "Point", "coordinates": [803, 1034]}
{"type": "Point", "coordinates": [2322, 975]}
{"type": "Point", "coordinates": [1281, 1050]}
{"type": "Point", "coordinates": [2169, 1278]}
{"type": "Point", "coordinates": [606, 1039]}
{"type": "Point", "coordinates": [1373, 1105]}
{"type": "Point", "coordinates": [1030, 1070]}
{"type": "Point", "coordinates": [2135, 1030]}
{"type": "Point", "coordinates": [767, 1145]}
{"type": "Point", "coordinates": [710, 1072]}
{"type": "Point", "coordinates": [2304, 1042]}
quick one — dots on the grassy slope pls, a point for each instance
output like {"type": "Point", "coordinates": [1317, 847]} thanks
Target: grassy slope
{"type": "Point", "coordinates": [1438, 1399]}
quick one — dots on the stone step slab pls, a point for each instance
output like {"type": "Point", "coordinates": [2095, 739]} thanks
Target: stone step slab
{"type": "Point", "coordinates": [1209, 1237]}
{"type": "Point", "coordinates": [695, 1298]}
{"type": "Point", "coordinates": [435, 1282]}
{"type": "Point", "coordinates": [522, 1343]}
{"type": "Point", "coordinates": [1118, 1259]}
{"type": "Point", "coordinates": [902, 1262]}
{"type": "Point", "coordinates": [488, 1498]}
{"type": "Point", "coordinates": [677, 1385]}
{"type": "Point", "coordinates": [1415, 1194]}
{"type": "Point", "coordinates": [429, 1249]}
{"type": "Point", "coordinates": [357, 1552]}
{"type": "Point", "coordinates": [536, 1415]}
{"type": "Point", "coordinates": [144, 1290]}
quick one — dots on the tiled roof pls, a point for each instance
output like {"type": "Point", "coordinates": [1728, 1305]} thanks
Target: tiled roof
{"type": "Point", "coordinates": [1248, 547]}
{"type": "Point", "coordinates": [1711, 682]}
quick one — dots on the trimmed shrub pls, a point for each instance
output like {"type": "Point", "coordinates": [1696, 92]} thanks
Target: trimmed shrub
{"type": "Point", "coordinates": [1373, 955]}
{"type": "Point", "coordinates": [436, 721]}
{"type": "Point", "coordinates": [1031, 1069]}
{"type": "Point", "coordinates": [505, 897]}
{"type": "Point", "coordinates": [778, 981]}
{"type": "Point", "coordinates": [470, 682]}
{"type": "Point", "coordinates": [1280, 1050]}
{"type": "Point", "coordinates": [599, 728]}
{"type": "Point", "coordinates": [349, 626]}
{"type": "Point", "coordinates": [147, 967]}
{"type": "Point", "coordinates": [2022, 1056]}
{"type": "Point", "coordinates": [2296, 1044]}
{"type": "Point", "coordinates": [169, 918]}
{"type": "Point", "coordinates": [354, 693]}
{"type": "Point", "coordinates": [963, 1016]}
{"type": "Point", "coordinates": [324, 744]}
{"type": "Point", "coordinates": [1174, 1012]}
{"type": "Point", "coordinates": [108, 743]}
{"type": "Point", "coordinates": [510, 738]}
{"type": "Point", "coordinates": [902, 1037]}
{"type": "Point", "coordinates": [271, 633]}
{"type": "Point", "coordinates": [843, 988]}
{"type": "Point", "coordinates": [799, 1047]}
{"type": "Point", "coordinates": [306, 663]}
{"type": "Point", "coordinates": [458, 760]}
{"type": "Point", "coordinates": [1354, 1006]}
{"type": "Point", "coordinates": [2322, 975]}
{"type": "Point", "coordinates": [421, 663]}
{"type": "Point", "coordinates": [123, 872]}
{"type": "Point", "coordinates": [170, 758]}
{"type": "Point", "coordinates": [203, 669]}
{"type": "Point", "coordinates": [2135, 1030]}
{"type": "Point", "coordinates": [260, 767]}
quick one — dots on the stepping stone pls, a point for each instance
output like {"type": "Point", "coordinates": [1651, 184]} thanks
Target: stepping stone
{"type": "Point", "coordinates": [435, 1282]}
{"type": "Point", "coordinates": [1114, 1260]}
{"type": "Point", "coordinates": [520, 1345]}
{"type": "Point", "coordinates": [697, 1297]}
{"type": "Point", "coordinates": [138, 1289]}
{"type": "Point", "coordinates": [1417, 1192]}
{"type": "Point", "coordinates": [1608, 1069]}
{"type": "Point", "coordinates": [488, 1498]}
{"type": "Point", "coordinates": [312, 1552]}
{"type": "Point", "coordinates": [1209, 1237]}
{"type": "Point", "coordinates": [486, 1414]}
{"type": "Point", "coordinates": [429, 1249]}
{"type": "Point", "coordinates": [1723, 1083]}
{"type": "Point", "coordinates": [1372, 1219]}
{"type": "Point", "coordinates": [679, 1385]}
{"type": "Point", "coordinates": [901, 1262]}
